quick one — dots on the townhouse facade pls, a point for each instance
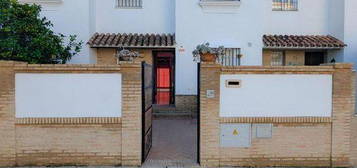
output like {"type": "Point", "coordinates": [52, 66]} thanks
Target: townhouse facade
{"type": "Point", "coordinates": [247, 115]}
{"type": "Point", "coordinates": [165, 32]}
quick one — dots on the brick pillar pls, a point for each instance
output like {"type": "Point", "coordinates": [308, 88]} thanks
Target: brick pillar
{"type": "Point", "coordinates": [353, 157]}
{"type": "Point", "coordinates": [209, 115]}
{"type": "Point", "coordinates": [7, 114]}
{"type": "Point", "coordinates": [131, 114]}
{"type": "Point", "coordinates": [343, 109]}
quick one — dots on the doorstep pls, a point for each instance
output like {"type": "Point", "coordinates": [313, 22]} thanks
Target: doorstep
{"type": "Point", "coordinates": [169, 111]}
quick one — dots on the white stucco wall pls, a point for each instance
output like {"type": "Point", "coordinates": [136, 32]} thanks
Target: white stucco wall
{"type": "Point", "coordinates": [310, 19]}
{"type": "Point", "coordinates": [156, 16]}
{"type": "Point", "coordinates": [239, 29]}
{"type": "Point", "coordinates": [336, 26]}
{"type": "Point", "coordinates": [350, 31]}
{"type": "Point", "coordinates": [85, 17]}
{"type": "Point", "coordinates": [242, 29]}
{"type": "Point", "coordinates": [67, 95]}
{"type": "Point", "coordinates": [194, 26]}
{"type": "Point", "coordinates": [72, 17]}
{"type": "Point", "coordinates": [276, 96]}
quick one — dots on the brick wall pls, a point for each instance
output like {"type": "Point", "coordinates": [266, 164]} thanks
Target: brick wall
{"type": "Point", "coordinates": [354, 129]}
{"type": "Point", "coordinates": [343, 109]}
{"type": "Point", "coordinates": [296, 141]}
{"type": "Point", "coordinates": [7, 118]}
{"type": "Point", "coordinates": [77, 144]}
{"type": "Point", "coordinates": [290, 145]}
{"type": "Point", "coordinates": [106, 56]}
{"type": "Point", "coordinates": [267, 57]}
{"type": "Point", "coordinates": [354, 141]}
{"type": "Point", "coordinates": [71, 141]}
{"type": "Point", "coordinates": [292, 57]}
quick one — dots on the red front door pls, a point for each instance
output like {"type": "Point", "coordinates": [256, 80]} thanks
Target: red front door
{"type": "Point", "coordinates": [164, 63]}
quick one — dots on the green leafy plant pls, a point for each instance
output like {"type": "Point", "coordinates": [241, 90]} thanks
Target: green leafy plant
{"type": "Point", "coordinates": [25, 36]}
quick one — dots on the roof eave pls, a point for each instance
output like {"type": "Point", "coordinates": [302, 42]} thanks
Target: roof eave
{"type": "Point", "coordinates": [304, 48]}
{"type": "Point", "coordinates": [142, 47]}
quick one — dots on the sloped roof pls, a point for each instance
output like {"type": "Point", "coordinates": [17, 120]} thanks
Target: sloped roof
{"type": "Point", "coordinates": [135, 40]}
{"type": "Point", "coordinates": [304, 41]}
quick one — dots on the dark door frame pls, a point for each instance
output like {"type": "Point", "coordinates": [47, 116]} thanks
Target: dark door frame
{"type": "Point", "coordinates": [172, 76]}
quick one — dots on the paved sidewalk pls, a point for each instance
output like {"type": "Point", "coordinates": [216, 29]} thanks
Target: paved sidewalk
{"type": "Point", "coordinates": [174, 143]}
{"type": "Point", "coordinates": [155, 167]}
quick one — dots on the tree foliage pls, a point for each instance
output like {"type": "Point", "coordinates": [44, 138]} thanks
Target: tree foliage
{"type": "Point", "coordinates": [25, 36]}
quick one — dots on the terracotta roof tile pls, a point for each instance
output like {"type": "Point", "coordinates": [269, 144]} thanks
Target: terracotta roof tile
{"type": "Point", "coordinates": [304, 41]}
{"type": "Point", "coordinates": [131, 40]}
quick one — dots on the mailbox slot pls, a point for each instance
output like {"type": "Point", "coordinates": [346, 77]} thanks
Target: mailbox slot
{"type": "Point", "coordinates": [232, 83]}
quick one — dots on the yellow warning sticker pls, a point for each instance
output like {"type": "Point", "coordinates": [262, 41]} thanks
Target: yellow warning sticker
{"type": "Point", "coordinates": [235, 132]}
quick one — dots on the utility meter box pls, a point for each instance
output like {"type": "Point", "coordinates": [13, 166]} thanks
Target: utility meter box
{"type": "Point", "coordinates": [262, 130]}
{"type": "Point", "coordinates": [235, 135]}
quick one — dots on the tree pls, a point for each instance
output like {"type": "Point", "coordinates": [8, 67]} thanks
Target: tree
{"type": "Point", "coordinates": [25, 36]}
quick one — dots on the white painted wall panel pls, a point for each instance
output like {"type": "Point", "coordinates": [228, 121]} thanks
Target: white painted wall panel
{"type": "Point", "coordinates": [68, 95]}
{"type": "Point", "coordinates": [263, 95]}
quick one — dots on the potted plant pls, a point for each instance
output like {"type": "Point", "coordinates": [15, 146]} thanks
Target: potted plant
{"type": "Point", "coordinates": [204, 52]}
{"type": "Point", "coordinates": [127, 55]}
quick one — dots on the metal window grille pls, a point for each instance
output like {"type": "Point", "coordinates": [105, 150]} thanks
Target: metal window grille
{"type": "Point", "coordinates": [277, 58]}
{"type": "Point", "coordinates": [129, 3]}
{"type": "Point", "coordinates": [285, 5]}
{"type": "Point", "coordinates": [230, 58]}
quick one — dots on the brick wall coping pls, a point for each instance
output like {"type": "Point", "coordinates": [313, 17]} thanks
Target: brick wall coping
{"type": "Point", "coordinates": [275, 120]}
{"type": "Point", "coordinates": [22, 66]}
{"type": "Point", "coordinates": [69, 121]}
{"type": "Point", "coordinates": [322, 68]}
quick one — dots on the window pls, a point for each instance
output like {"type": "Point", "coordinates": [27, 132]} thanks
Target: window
{"type": "Point", "coordinates": [129, 3]}
{"type": "Point", "coordinates": [231, 57]}
{"type": "Point", "coordinates": [277, 58]}
{"type": "Point", "coordinates": [285, 5]}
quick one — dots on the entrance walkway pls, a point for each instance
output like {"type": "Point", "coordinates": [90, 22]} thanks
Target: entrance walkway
{"type": "Point", "coordinates": [174, 143]}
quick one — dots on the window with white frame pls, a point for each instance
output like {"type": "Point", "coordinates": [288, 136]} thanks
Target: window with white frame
{"type": "Point", "coordinates": [285, 5]}
{"type": "Point", "coordinates": [129, 3]}
{"type": "Point", "coordinates": [277, 58]}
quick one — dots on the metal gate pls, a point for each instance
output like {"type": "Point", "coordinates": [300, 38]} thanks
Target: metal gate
{"type": "Point", "coordinates": [147, 101]}
{"type": "Point", "coordinates": [198, 109]}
